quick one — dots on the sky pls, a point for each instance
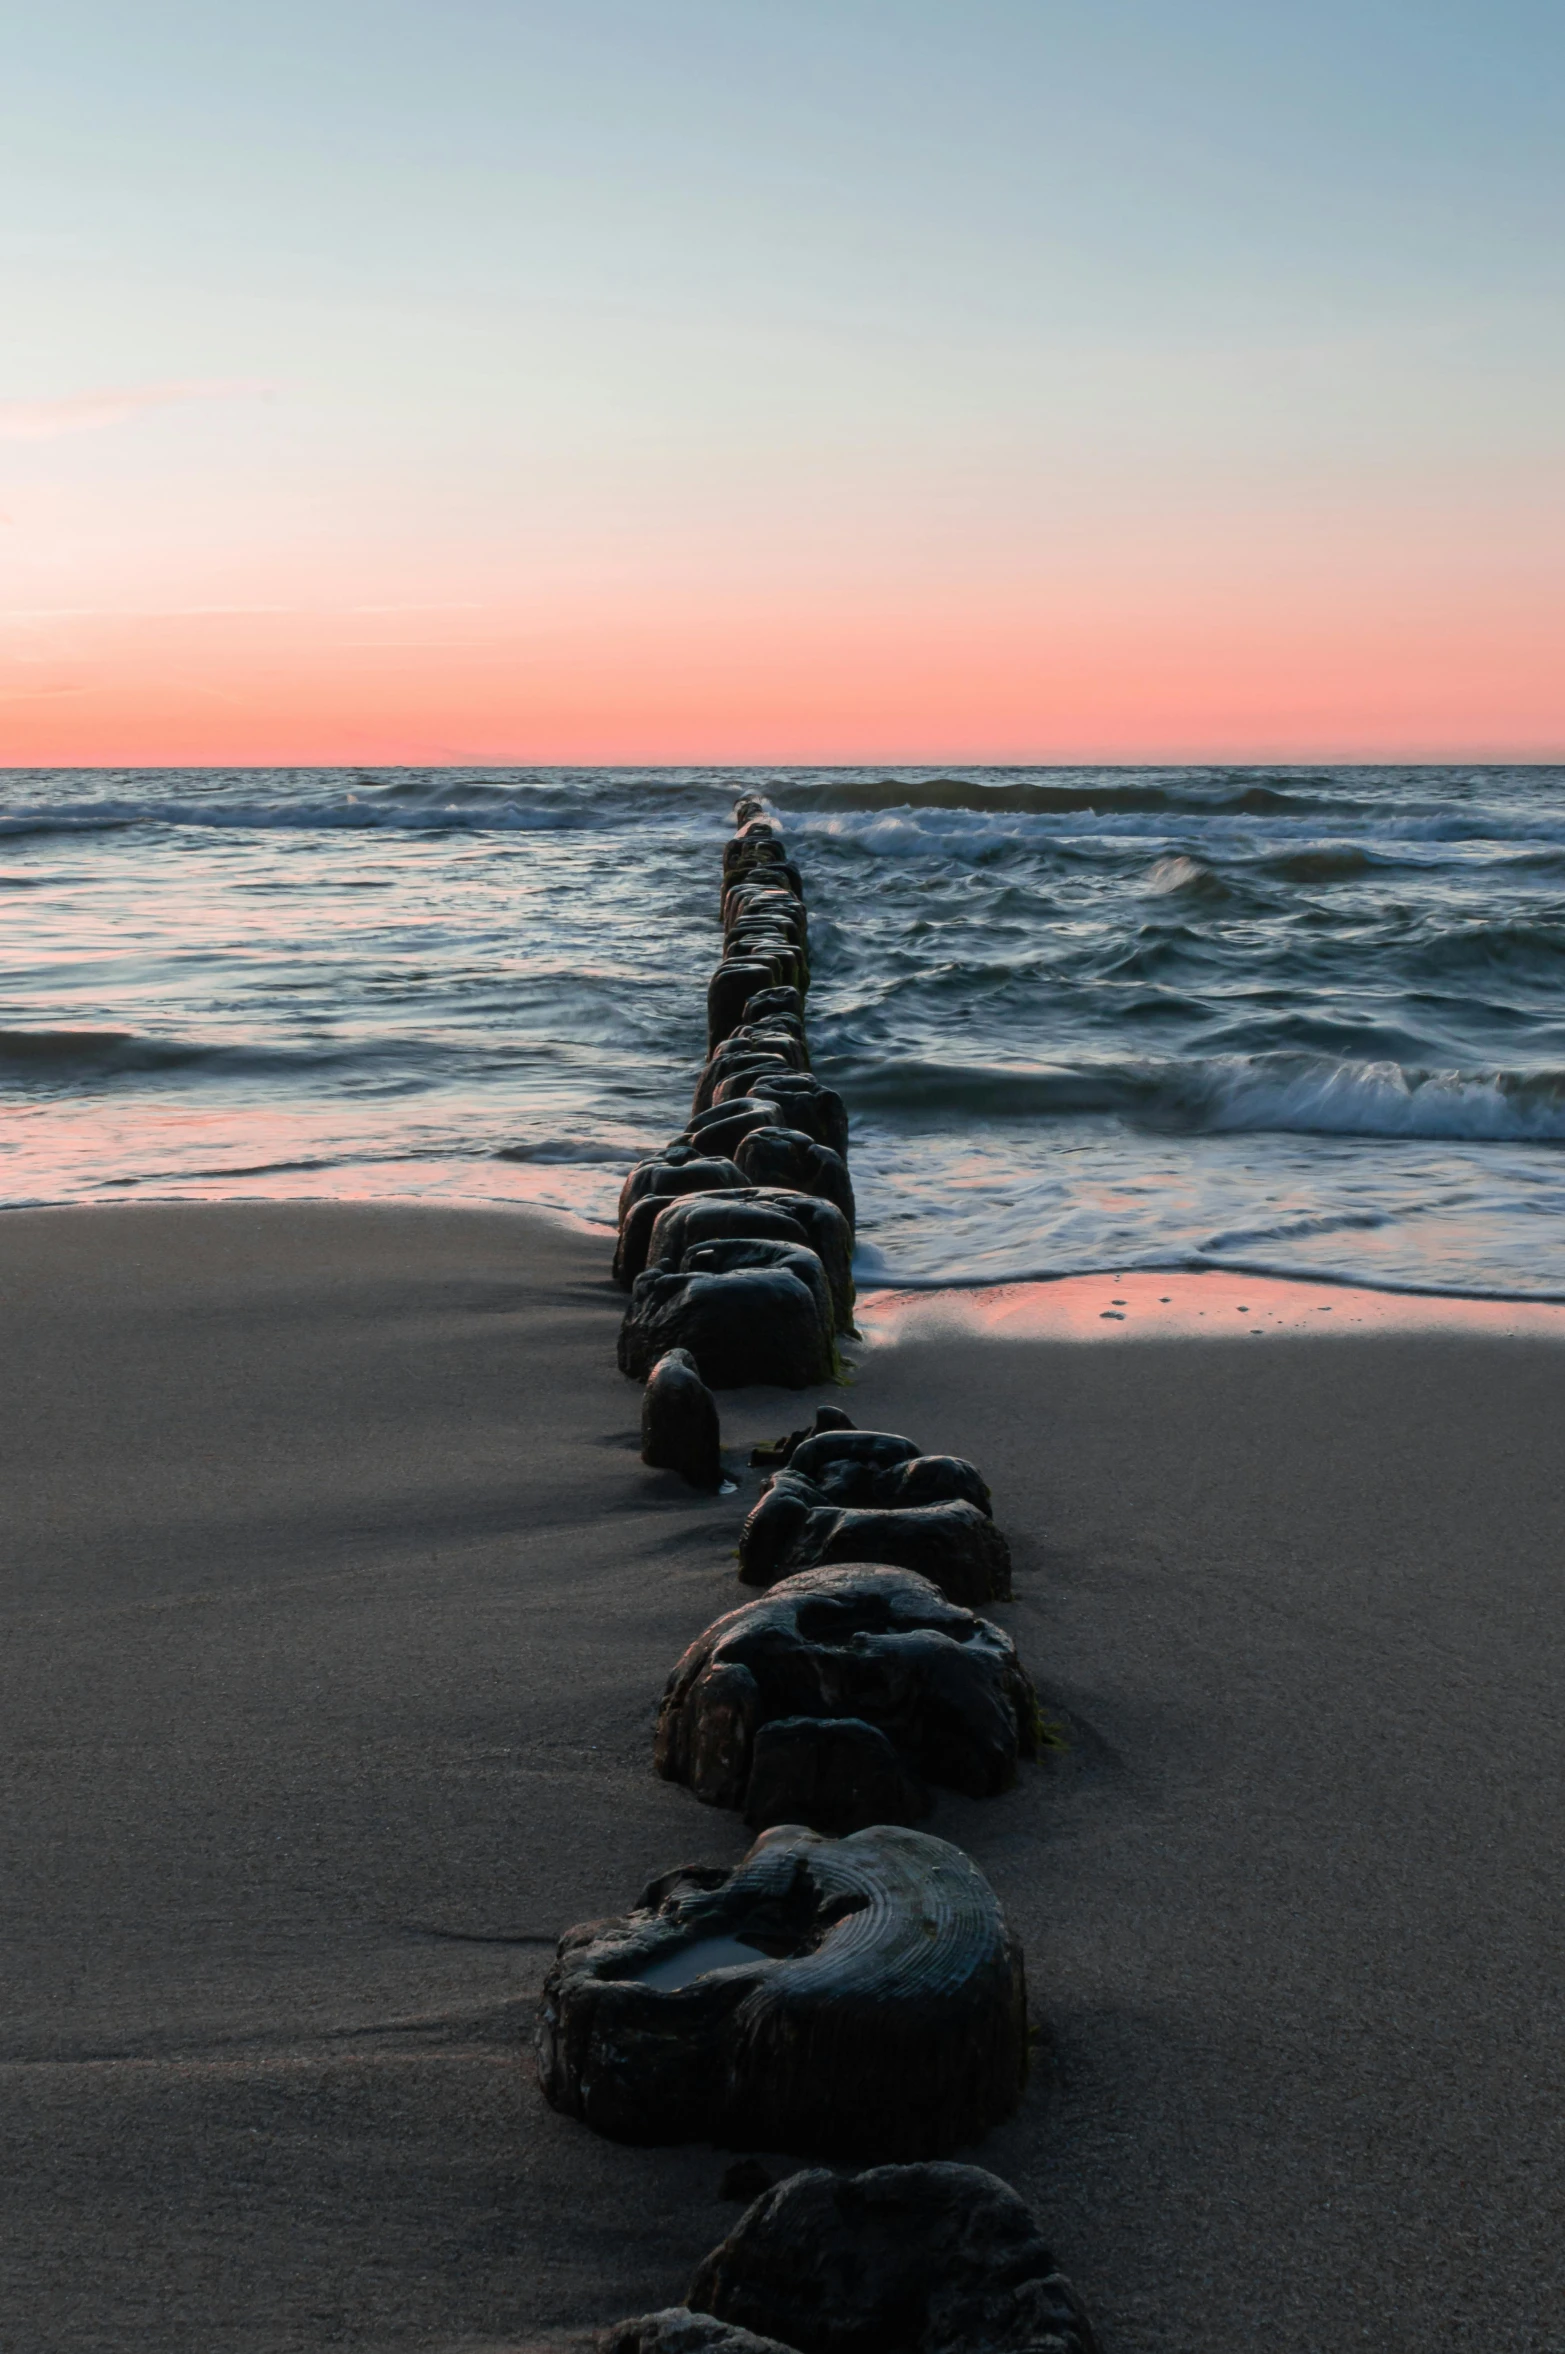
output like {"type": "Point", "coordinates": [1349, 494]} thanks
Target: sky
{"type": "Point", "coordinates": [781, 381]}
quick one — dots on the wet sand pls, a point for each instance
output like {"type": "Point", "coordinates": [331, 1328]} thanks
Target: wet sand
{"type": "Point", "coordinates": [337, 1604]}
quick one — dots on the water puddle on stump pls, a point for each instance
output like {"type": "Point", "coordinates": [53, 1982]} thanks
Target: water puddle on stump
{"type": "Point", "coordinates": [690, 1962]}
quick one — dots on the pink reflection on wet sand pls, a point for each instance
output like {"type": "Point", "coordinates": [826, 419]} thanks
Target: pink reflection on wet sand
{"type": "Point", "coordinates": [1213, 1304]}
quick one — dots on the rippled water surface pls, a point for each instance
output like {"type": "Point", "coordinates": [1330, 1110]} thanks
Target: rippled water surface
{"type": "Point", "coordinates": [1305, 1021]}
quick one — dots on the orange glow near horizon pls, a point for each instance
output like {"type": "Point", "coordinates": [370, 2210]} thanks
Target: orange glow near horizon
{"type": "Point", "coordinates": [686, 679]}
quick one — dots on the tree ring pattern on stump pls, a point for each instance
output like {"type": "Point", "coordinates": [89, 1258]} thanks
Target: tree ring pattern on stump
{"type": "Point", "coordinates": [858, 1996]}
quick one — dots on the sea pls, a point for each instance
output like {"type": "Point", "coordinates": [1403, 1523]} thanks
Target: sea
{"type": "Point", "coordinates": [1294, 1021]}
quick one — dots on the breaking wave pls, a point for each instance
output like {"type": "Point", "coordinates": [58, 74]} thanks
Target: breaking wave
{"type": "Point", "coordinates": [1080, 1016]}
{"type": "Point", "coordinates": [1297, 1094]}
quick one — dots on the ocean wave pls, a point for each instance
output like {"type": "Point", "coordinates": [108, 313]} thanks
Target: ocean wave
{"type": "Point", "coordinates": [1320, 1096]}
{"type": "Point", "coordinates": [983, 836]}
{"type": "Point", "coordinates": [1522, 942]}
{"type": "Point", "coordinates": [82, 1054]}
{"type": "Point", "coordinates": [1311, 1229]}
{"type": "Point", "coordinates": [979, 1091]}
{"type": "Point", "coordinates": [578, 1151]}
{"type": "Point", "coordinates": [1039, 797]}
{"type": "Point", "coordinates": [448, 814]}
{"type": "Point", "coordinates": [1310, 1094]}
{"type": "Point", "coordinates": [1186, 878]}
{"type": "Point", "coordinates": [1332, 862]}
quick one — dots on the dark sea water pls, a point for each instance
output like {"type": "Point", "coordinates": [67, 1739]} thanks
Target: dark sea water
{"type": "Point", "coordinates": [1296, 1020]}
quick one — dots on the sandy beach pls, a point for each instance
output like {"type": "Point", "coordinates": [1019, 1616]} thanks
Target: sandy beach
{"type": "Point", "coordinates": [337, 1606]}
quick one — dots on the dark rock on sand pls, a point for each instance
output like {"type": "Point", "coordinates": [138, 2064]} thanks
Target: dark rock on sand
{"type": "Point", "coordinates": [844, 1997]}
{"type": "Point", "coordinates": [715, 1217]}
{"type": "Point", "coordinates": [786, 1156]}
{"type": "Point", "coordinates": [753, 1325]}
{"type": "Point", "coordinates": [810, 1220]}
{"type": "Point", "coordinates": [870, 1469]}
{"type": "Point", "coordinates": [639, 1222]}
{"type": "Point", "coordinates": [869, 1495]}
{"type": "Point", "coordinates": [835, 1773]}
{"type": "Point", "coordinates": [684, 1172]}
{"type": "Point", "coordinates": [635, 1236]}
{"type": "Point", "coordinates": [954, 1544]}
{"type": "Point", "coordinates": [679, 1422]}
{"type": "Point", "coordinates": [722, 1256]}
{"type": "Point", "coordinates": [884, 1645]}
{"type": "Point", "coordinates": [940, 2259]}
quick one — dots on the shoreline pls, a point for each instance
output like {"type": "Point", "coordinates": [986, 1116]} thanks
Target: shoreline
{"type": "Point", "coordinates": [1148, 1303]}
{"type": "Point", "coordinates": [1416, 1306]}
{"type": "Point", "coordinates": [339, 1601]}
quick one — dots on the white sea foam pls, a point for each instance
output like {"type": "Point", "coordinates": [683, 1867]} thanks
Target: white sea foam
{"type": "Point", "coordinates": [1321, 1096]}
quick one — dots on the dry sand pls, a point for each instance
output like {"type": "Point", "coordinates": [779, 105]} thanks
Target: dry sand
{"type": "Point", "coordinates": [337, 1605]}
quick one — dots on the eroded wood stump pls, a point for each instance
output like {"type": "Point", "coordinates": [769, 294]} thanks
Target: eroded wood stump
{"type": "Point", "coordinates": [845, 1997]}
{"type": "Point", "coordinates": [802, 1102]}
{"type": "Point", "coordinates": [879, 1470]}
{"type": "Point", "coordinates": [880, 1645]}
{"type": "Point", "coordinates": [734, 983]}
{"type": "Point", "coordinates": [836, 1774]}
{"type": "Point", "coordinates": [680, 1171]}
{"type": "Point", "coordinates": [751, 1325]}
{"type": "Point", "coordinates": [726, 1125]}
{"type": "Point", "coordinates": [756, 1210]}
{"type": "Point", "coordinates": [758, 904]}
{"type": "Point", "coordinates": [770, 1005]}
{"type": "Point", "coordinates": [722, 1256]}
{"type": "Point", "coordinates": [931, 2259]}
{"type": "Point", "coordinates": [861, 1495]}
{"type": "Point", "coordinates": [786, 1156]}
{"type": "Point", "coordinates": [679, 1422]}
{"type": "Point", "coordinates": [749, 1051]}
{"type": "Point", "coordinates": [684, 1168]}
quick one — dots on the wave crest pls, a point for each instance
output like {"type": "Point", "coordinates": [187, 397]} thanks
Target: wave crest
{"type": "Point", "coordinates": [1308, 1094]}
{"type": "Point", "coordinates": [1185, 878]}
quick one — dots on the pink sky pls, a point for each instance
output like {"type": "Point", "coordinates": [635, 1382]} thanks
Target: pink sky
{"type": "Point", "coordinates": [162, 614]}
{"type": "Point", "coordinates": [700, 383]}
{"type": "Point", "coordinates": [680, 678]}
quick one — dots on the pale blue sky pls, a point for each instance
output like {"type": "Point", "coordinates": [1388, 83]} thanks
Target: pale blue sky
{"type": "Point", "coordinates": [851, 283]}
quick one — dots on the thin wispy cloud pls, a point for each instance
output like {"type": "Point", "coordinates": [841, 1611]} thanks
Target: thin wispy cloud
{"type": "Point", "coordinates": [88, 412]}
{"type": "Point", "coordinates": [209, 612]}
